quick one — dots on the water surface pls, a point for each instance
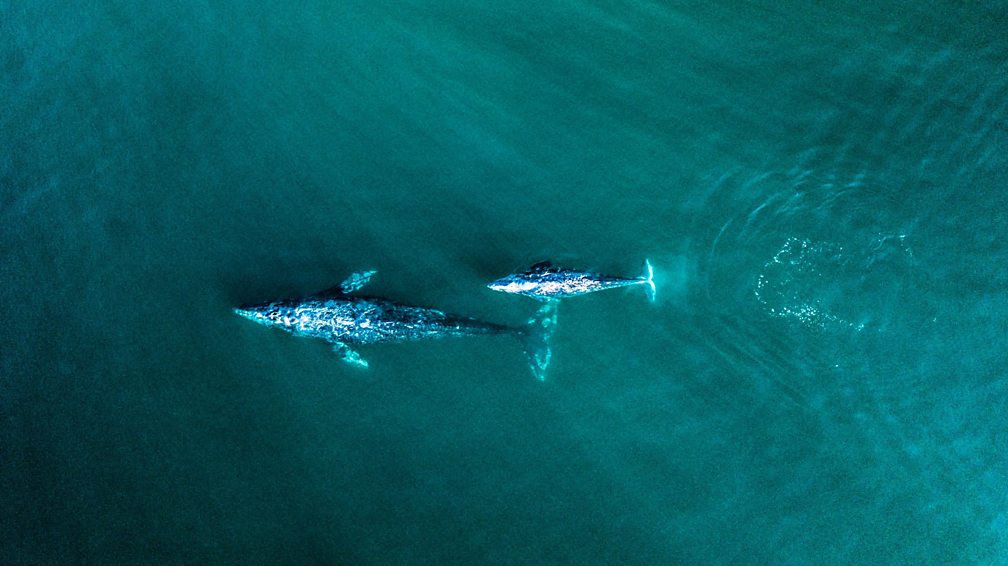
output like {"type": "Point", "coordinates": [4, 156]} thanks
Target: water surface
{"type": "Point", "coordinates": [821, 190]}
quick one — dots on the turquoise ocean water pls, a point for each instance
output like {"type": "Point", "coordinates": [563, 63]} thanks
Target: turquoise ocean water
{"type": "Point", "coordinates": [821, 187]}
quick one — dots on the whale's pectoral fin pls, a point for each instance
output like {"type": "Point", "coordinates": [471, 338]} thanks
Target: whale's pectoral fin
{"type": "Point", "coordinates": [544, 299]}
{"type": "Point", "coordinates": [349, 356]}
{"type": "Point", "coordinates": [537, 335]}
{"type": "Point", "coordinates": [356, 281]}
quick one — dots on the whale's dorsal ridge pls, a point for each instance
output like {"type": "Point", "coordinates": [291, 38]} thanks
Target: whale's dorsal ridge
{"type": "Point", "coordinates": [541, 266]}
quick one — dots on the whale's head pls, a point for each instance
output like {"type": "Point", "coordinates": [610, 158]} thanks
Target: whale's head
{"type": "Point", "coordinates": [513, 284]}
{"type": "Point", "coordinates": [270, 314]}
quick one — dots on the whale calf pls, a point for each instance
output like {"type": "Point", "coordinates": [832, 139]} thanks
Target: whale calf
{"type": "Point", "coordinates": [345, 321]}
{"type": "Point", "coordinates": [545, 282]}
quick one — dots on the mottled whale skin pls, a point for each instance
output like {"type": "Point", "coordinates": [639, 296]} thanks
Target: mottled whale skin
{"type": "Point", "coordinates": [344, 321]}
{"type": "Point", "coordinates": [545, 282]}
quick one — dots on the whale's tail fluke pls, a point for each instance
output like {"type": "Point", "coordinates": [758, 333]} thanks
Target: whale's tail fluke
{"type": "Point", "coordinates": [647, 278]}
{"type": "Point", "coordinates": [537, 337]}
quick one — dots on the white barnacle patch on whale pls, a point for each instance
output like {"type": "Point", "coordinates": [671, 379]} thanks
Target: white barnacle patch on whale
{"type": "Point", "coordinates": [519, 286]}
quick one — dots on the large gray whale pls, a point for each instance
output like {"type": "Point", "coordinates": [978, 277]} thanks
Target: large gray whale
{"type": "Point", "coordinates": [345, 321]}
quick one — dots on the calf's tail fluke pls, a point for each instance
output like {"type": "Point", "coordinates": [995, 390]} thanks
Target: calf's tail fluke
{"type": "Point", "coordinates": [537, 337]}
{"type": "Point", "coordinates": [647, 278]}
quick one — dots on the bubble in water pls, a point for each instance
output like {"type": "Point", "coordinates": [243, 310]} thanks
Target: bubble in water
{"type": "Point", "coordinates": [823, 284]}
